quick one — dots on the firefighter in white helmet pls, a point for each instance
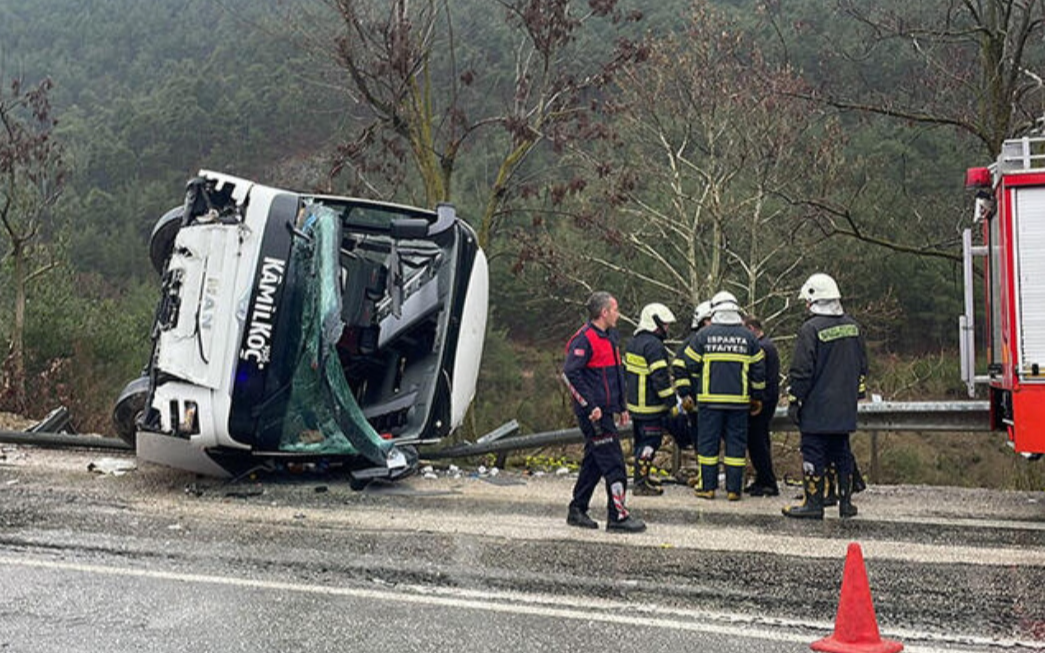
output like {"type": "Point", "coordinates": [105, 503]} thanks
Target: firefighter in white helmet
{"type": "Point", "coordinates": [701, 315]}
{"type": "Point", "coordinates": [727, 367]}
{"type": "Point", "coordinates": [649, 392]}
{"type": "Point", "coordinates": [827, 378]}
{"type": "Point", "coordinates": [701, 318]}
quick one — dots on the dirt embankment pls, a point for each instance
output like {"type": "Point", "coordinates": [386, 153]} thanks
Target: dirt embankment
{"type": "Point", "coordinates": [13, 422]}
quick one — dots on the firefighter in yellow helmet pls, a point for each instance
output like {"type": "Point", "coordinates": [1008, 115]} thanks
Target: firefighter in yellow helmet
{"type": "Point", "coordinates": [826, 380]}
{"type": "Point", "coordinates": [649, 392]}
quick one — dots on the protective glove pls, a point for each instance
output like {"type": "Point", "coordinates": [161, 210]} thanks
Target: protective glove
{"type": "Point", "coordinates": [756, 407]}
{"type": "Point", "coordinates": [687, 404]}
{"type": "Point", "coordinates": [793, 410]}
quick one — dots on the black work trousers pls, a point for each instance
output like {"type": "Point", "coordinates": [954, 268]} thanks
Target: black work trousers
{"type": "Point", "coordinates": [819, 449]}
{"type": "Point", "coordinates": [759, 446]}
{"type": "Point", "coordinates": [649, 432]}
{"type": "Point", "coordinates": [603, 459]}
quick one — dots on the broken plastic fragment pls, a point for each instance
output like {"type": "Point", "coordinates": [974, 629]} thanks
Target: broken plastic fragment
{"type": "Point", "coordinates": [114, 466]}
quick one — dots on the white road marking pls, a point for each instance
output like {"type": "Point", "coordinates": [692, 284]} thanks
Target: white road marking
{"type": "Point", "coordinates": [603, 610]}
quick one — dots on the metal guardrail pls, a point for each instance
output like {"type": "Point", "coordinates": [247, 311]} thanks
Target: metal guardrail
{"type": "Point", "coordinates": [947, 416]}
{"type": "Point", "coordinates": [63, 440]}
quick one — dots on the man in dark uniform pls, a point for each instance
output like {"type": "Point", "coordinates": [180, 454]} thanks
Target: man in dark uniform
{"type": "Point", "coordinates": [727, 367]}
{"type": "Point", "coordinates": [595, 377]}
{"type": "Point", "coordinates": [683, 382]}
{"type": "Point", "coordinates": [684, 425]}
{"type": "Point", "coordinates": [649, 391]}
{"type": "Point", "coordinates": [826, 380]}
{"type": "Point", "coordinates": [759, 445]}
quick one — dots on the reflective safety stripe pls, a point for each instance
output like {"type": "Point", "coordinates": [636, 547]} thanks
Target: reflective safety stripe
{"type": "Point", "coordinates": [735, 462]}
{"type": "Point", "coordinates": [707, 460]}
{"type": "Point", "coordinates": [745, 362]}
{"type": "Point", "coordinates": [635, 363]}
{"type": "Point", "coordinates": [638, 365]}
{"type": "Point", "coordinates": [684, 382]}
{"type": "Point", "coordinates": [722, 399]}
{"type": "Point", "coordinates": [691, 353]}
{"type": "Point", "coordinates": [838, 332]}
{"type": "Point", "coordinates": [732, 358]}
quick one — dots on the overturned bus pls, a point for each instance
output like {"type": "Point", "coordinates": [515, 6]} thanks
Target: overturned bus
{"type": "Point", "coordinates": [294, 327]}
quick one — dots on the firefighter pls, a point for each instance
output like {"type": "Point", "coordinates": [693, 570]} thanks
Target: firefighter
{"type": "Point", "coordinates": [759, 444]}
{"type": "Point", "coordinates": [683, 383]}
{"type": "Point", "coordinates": [727, 368]}
{"type": "Point", "coordinates": [684, 426]}
{"type": "Point", "coordinates": [649, 391]}
{"type": "Point", "coordinates": [595, 378]}
{"type": "Point", "coordinates": [827, 378]}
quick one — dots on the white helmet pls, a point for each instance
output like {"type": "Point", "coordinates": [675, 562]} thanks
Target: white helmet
{"type": "Point", "coordinates": [819, 287]}
{"type": "Point", "coordinates": [654, 316]}
{"type": "Point", "coordinates": [724, 301]}
{"type": "Point", "coordinates": [701, 313]}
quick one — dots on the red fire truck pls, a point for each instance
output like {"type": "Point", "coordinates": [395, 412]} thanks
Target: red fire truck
{"type": "Point", "coordinates": [1010, 211]}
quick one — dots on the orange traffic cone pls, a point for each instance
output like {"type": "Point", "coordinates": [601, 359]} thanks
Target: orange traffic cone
{"type": "Point", "coordinates": [856, 629]}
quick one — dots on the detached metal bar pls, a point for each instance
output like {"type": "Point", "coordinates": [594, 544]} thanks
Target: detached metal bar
{"type": "Point", "coordinates": [64, 441]}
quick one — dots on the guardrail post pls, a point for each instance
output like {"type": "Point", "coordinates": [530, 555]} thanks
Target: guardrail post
{"type": "Point", "coordinates": [875, 471]}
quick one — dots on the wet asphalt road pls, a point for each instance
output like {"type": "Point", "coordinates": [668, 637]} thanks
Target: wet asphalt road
{"type": "Point", "coordinates": [158, 560]}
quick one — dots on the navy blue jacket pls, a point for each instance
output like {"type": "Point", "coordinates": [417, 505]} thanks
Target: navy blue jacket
{"type": "Point", "coordinates": [593, 370]}
{"type": "Point", "coordinates": [828, 373]}
{"type": "Point", "coordinates": [647, 379]}
{"type": "Point", "coordinates": [725, 365]}
{"type": "Point", "coordinates": [772, 391]}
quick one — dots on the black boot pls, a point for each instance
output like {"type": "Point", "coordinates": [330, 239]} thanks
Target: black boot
{"type": "Point", "coordinates": [859, 485]}
{"type": "Point", "coordinates": [617, 517]}
{"type": "Point", "coordinates": [644, 485]}
{"type": "Point", "coordinates": [580, 518]}
{"type": "Point", "coordinates": [831, 486]}
{"type": "Point", "coordinates": [846, 509]}
{"type": "Point", "coordinates": [812, 506]}
{"type": "Point", "coordinates": [627, 525]}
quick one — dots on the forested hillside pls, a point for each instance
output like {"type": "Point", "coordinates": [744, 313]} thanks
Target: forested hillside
{"type": "Point", "coordinates": [694, 146]}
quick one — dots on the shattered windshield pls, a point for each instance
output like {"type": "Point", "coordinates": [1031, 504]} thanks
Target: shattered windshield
{"type": "Point", "coordinates": [323, 416]}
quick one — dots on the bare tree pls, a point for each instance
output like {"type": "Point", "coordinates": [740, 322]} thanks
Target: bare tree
{"type": "Point", "coordinates": [31, 177]}
{"type": "Point", "coordinates": [686, 202]}
{"type": "Point", "coordinates": [415, 84]}
{"type": "Point", "coordinates": [972, 66]}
